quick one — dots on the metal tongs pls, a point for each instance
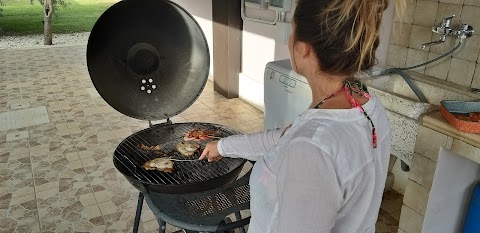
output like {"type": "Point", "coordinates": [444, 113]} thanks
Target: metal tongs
{"type": "Point", "coordinates": [184, 160]}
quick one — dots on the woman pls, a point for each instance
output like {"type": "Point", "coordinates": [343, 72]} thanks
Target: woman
{"type": "Point", "coordinates": [326, 172]}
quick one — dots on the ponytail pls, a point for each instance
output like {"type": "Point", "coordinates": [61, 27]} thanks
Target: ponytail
{"type": "Point", "coordinates": [343, 33]}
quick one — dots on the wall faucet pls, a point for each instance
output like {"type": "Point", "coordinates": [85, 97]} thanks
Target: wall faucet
{"type": "Point", "coordinates": [444, 30]}
{"type": "Point", "coordinates": [442, 39]}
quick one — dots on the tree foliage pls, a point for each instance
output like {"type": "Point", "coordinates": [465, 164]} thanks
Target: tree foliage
{"type": "Point", "coordinates": [1, 4]}
{"type": "Point", "coordinates": [56, 3]}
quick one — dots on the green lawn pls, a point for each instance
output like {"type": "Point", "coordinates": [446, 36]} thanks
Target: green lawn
{"type": "Point", "coordinates": [22, 18]}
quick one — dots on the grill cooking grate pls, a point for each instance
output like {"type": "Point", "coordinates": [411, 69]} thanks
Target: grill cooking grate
{"type": "Point", "coordinates": [129, 155]}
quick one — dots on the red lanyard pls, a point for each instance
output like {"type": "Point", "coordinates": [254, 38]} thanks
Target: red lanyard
{"type": "Point", "coordinates": [349, 87]}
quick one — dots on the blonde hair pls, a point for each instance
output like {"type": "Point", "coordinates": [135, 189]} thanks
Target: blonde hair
{"type": "Point", "coordinates": [343, 33]}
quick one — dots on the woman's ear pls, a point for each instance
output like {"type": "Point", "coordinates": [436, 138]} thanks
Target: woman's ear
{"type": "Point", "coordinates": [304, 49]}
{"type": "Point", "coordinates": [308, 50]}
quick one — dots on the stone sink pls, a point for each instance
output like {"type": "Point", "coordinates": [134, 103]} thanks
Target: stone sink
{"type": "Point", "coordinates": [404, 109]}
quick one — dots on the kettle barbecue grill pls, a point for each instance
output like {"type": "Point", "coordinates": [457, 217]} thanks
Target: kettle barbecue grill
{"type": "Point", "coordinates": [149, 60]}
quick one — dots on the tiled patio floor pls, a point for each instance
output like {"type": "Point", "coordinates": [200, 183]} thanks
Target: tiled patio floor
{"type": "Point", "coordinates": [59, 176]}
{"type": "Point", "coordinates": [389, 215]}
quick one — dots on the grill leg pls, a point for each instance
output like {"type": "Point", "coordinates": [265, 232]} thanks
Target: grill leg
{"type": "Point", "coordinates": [238, 218]}
{"type": "Point", "coordinates": [138, 213]}
{"type": "Point", "coordinates": [162, 226]}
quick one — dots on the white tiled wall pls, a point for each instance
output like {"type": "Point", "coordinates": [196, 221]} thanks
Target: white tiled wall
{"type": "Point", "coordinates": [413, 28]}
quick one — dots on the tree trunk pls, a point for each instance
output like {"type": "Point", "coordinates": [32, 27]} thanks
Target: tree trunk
{"type": "Point", "coordinates": [47, 25]}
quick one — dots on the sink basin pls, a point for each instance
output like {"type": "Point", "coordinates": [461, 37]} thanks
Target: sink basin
{"type": "Point", "coordinates": [404, 109]}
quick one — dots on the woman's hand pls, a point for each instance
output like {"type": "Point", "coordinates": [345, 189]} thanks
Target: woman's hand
{"type": "Point", "coordinates": [211, 152]}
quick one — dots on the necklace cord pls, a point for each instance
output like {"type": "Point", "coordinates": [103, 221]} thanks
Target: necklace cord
{"type": "Point", "coordinates": [357, 87]}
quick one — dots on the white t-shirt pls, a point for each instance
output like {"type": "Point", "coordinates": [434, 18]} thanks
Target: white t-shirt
{"type": "Point", "coordinates": [322, 175]}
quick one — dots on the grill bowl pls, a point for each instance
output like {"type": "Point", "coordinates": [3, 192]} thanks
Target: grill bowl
{"type": "Point", "coordinates": [188, 177]}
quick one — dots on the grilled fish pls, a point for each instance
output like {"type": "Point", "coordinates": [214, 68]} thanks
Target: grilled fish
{"type": "Point", "coordinates": [187, 148]}
{"type": "Point", "coordinates": [160, 164]}
{"type": "Point", "coordinates": [150, 148]}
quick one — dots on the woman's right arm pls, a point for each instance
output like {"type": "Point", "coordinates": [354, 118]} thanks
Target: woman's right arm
{"type": "Point", "coordinates": [247, 146]}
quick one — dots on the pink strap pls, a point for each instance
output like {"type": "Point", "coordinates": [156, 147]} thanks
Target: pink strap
{"type": "Point", "coordinates": [348, 88]}
{"type": "Point", "coordinates": [354, 103]}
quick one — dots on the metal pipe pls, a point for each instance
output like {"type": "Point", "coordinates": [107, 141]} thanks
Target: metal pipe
{"type": "Point", "coordinates": [410, 83]}
{"type": "Point", "coordinates": [245, 18]}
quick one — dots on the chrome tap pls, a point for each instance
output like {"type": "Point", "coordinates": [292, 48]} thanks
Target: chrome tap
{"type": "Point", "coordinates": [444, 30]}
{"type": "Point", "coordinates": [464, 32]}
{"type": "Point", "coordinates": [442, 39]}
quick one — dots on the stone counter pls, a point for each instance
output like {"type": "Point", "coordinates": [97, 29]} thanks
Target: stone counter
{"type": "Point", "coordinates": [436, 122]}
{"type": "Point", "coordinates": [433, 134]}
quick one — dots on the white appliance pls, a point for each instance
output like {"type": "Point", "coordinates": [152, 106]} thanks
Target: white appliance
{"type": "Point", "coordinates": [286, 94]}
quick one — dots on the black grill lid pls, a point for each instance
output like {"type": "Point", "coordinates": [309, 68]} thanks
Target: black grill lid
{"type": "Point", "coordinates": [148, 59]}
